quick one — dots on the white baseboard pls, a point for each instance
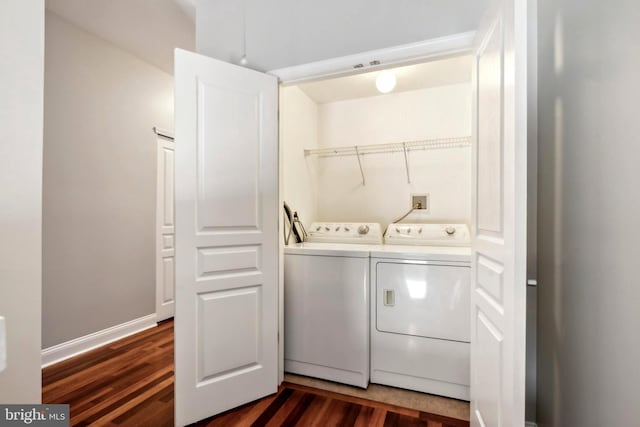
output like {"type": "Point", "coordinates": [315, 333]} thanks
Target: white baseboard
{"type": "Point", "coordinates": [530, 424]}
{"type": "Point", "coordinates": [77, 346]}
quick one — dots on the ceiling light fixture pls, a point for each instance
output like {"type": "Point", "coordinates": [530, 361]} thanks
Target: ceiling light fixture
{"type": "Point", "coordinates": [386, 81]}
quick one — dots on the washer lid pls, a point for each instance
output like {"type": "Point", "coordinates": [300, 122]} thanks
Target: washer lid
{"type": "Point", "coordinates": [423, 253]}
{"type": "Point", "coordinates": [329, 249]}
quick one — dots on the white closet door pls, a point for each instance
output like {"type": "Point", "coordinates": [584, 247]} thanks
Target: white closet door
{"type": "Point", "coordinates": [498, 300]}
{"type": "Point", "coordinates": [226, 322]}
{"type": "Point", "coordinates": [165, 238]}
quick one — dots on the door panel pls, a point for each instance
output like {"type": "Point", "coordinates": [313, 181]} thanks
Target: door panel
{"type": "Point", "coordinates": [165, 250]}
{"type": "Point", "coordinates": [212, 261]}
{"type": "Point", "coordinates": [228, 187]}
{"type": "Point", "coordinates": [226, 243]}
{"type": "Point", "coordinates": [223, 350]}
{"type": "Point", "coordinates": [488, 403]}
{"type": "Point", "coordinates": [490, 279]}
{"type": "Point", "coordinates": [490, 203]}
{"type": "Point", "coordinates": [498, 299]}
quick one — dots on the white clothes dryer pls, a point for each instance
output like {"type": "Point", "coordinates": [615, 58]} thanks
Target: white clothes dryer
{"type": "Point", "coordinates": [326, 302]}
{"type": "Point", "coordinates": [420, 320]}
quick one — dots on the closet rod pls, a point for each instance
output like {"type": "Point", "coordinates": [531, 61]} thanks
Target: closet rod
{"type": "Point", "coordinates": [423, 144]}
{"type": "Point", "coordinates": [162, 132]}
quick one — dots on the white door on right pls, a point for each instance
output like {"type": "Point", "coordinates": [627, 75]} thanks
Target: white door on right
{"type": "Point", "coordinates": [498, 298]}
{"type": "Point", "coordinates": [165, 230]}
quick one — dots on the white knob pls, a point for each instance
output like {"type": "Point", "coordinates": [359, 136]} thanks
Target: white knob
{"type": "Point", "coordinates": [363, 229]}
{"type": "Point", "coordinates": [346, 229]}
{"type": "Point", "coordinates": [338, 228]}
{"type": "Point", "coordinates": [327, 229]}
{"type": "Point", "coordinates": [450, 230]}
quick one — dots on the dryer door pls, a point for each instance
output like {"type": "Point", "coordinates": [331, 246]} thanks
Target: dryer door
{"type": "Point", "coordinates": [420, 299]}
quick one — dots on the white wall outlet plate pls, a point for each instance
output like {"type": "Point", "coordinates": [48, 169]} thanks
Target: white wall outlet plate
{"type": "Point", "coordinates": [3, 344]}
{"type": "Point", "coordinates": [421, 202]}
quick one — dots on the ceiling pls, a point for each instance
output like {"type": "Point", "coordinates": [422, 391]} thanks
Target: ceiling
{"type": "Point", "coordinates": [411, 77]}
{"type": "Point", "coordinates": [149, 29]}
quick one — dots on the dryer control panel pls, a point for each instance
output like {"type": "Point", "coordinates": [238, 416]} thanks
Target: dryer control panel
{"type": "Point", "coordinates": [369, 233]}
{"type": "Point", "coordinates": [428, 234]}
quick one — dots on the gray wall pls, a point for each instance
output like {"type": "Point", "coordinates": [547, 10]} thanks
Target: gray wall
{"type": "Point", "coordinates": [291, 32]}
{"type": "Point", "coordinates": [21, 91]}
{"type": "Point", "coordinates": [589, 292]}
{"type": "Point", "coordinates": [99, 182]}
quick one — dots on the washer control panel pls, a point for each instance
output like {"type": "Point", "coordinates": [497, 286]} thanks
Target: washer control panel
{"type": "Point", "coordinates": [428, 234]}
{"type": "Point", "coordinates": [345, 232]}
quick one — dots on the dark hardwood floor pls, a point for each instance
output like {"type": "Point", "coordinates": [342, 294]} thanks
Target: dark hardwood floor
{"type": "Point", "coordinates": [127, 383]}
{"type": "Point", "coordinates": [130, 383]}
{"type": "Point", "coordinates": [298, 405]}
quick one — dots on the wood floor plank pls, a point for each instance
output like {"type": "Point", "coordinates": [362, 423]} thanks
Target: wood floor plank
{"type": "Point", "coordinates": [282, 412]}
{"type": "Point", "coordinates": [336, 412]}
{"type": "Point", "coordinates": [377, 418]}
{"type": "Point", "coordinates": [130, 383]}
{"type": "Point", "coordinates": [442, 420]}
{"type": "Point", "coordinates": [258, 408]}
{"type": "Point", "coordinates": [145, 410]}
{"type": "Point", "coordinates": [297, 412]}
{"type": "Point", "coordinates": [122, 397]}
{"type": "Point", "coordinates": [393, 419]}
{"type": "Point", "coordinates": [318, 419]}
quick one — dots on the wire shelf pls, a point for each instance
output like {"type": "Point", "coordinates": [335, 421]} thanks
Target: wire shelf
{"type": "Point", "coordinates": [404, 147]}
{"type": "Point", "coordinates": [396, 147]}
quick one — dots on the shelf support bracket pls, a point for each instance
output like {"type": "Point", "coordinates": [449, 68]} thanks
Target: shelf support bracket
{"type": "Point", "coordinates": [406, 161]}
{"type": "Point", "coordinates": [360, 164]}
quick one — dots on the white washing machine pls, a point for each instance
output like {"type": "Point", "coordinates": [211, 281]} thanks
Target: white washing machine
{"type": "Point", "coordinates": [326, 302]}
{"type": "Point", "coordinates": [420, 309]}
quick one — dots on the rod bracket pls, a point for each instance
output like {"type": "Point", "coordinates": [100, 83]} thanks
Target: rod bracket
{"type": "Point", "coordinates": [406, 161]}
{"type": "Point", "coordinates": [359, 164]}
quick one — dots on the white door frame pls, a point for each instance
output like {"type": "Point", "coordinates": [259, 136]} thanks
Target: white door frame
{"type": "Point", "coordinates": [424, 51]}
{"type": "Point", "coordinates": [429, 50]}
{"type": "Point", "coordinates": [165, 229]}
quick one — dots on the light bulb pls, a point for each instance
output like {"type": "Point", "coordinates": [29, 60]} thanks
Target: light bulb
{"type": "Point", "coordinates": [244, 61]}
{"type": "Point", "coordinates": [386, 81]}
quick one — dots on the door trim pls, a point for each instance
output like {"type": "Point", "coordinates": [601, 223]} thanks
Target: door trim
{"type": "Point", "coordinates": [422, 51]}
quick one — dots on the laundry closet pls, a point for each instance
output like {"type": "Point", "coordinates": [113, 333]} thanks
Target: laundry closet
{"type": "Point", "coordinates": [430, 101]}
{"type": "Point", "coordinates": [356, 162]}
